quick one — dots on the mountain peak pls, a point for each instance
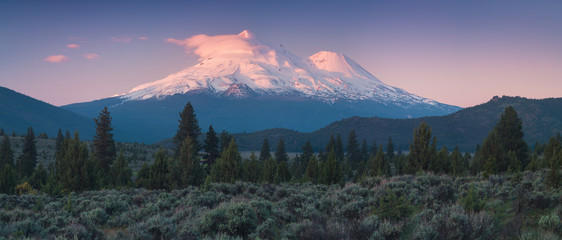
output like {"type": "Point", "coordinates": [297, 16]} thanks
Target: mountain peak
{"type": "Point", "coordinates": [239, 65]}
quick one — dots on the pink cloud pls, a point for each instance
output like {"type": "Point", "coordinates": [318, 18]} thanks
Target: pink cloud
{"type": "Point", "coordinates": [91, 56]}
{"type": "Point", "coordinates": [142, 38]}
{"type": "Point", "coordinates": [206, 46]}
{"type": "Point", "coordinates": [73, 46]}
{"type": "Point", "coordinates": [121, 39]}
{"type": "Point", "coordinates": [57, 58]}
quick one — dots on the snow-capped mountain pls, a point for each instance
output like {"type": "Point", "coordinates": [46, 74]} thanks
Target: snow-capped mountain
{"type": "Point", "coordinates": [241, 84]}
{"type": "Point", "coordinates": [259, 69]}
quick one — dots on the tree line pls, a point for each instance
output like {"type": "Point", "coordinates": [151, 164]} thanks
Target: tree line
{"type": "Point", "coordinates": [217, 159]}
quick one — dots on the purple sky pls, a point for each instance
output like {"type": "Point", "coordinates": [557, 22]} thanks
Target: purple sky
{"type": "Point", "coordinates": [456, 52]}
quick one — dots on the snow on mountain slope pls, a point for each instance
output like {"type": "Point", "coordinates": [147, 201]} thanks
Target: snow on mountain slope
{"type": "Point", "coordinates": [240, 65]}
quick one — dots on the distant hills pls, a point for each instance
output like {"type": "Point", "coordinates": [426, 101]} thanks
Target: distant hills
{"type": "Point", "coordinates": [465, 128]}
{"type": "Point", "coordinates": [18, 112]}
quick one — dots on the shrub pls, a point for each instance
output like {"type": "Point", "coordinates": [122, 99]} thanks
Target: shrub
{"type": "Point", "coordinates": [550, 222]}
{"type": "Point", "coordinates": [237, 219]}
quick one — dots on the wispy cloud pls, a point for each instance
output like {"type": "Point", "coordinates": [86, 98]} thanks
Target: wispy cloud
{"type": "Point", "coordinates": [91, 56]}
{"type": "Point", "coordinates": [142, 38]}
{"type": "Point", "coordinates": [121, 39]}
{"type": "Point", "coordinates": [73, 46]}
{"type": "Point", "coordinates": [57, 58]}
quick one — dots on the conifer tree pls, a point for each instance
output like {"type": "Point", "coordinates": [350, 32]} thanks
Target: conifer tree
{"type": "Point", "coordinates": [553, 176]}
{"type": "Point", "coordinates": [514, 163]}
{"type": "Point", "coordinates": [269, 169]}
{"type": "Point", "coordinates": [252, 169]}
{"type": "Point", "coordinates": [390, 149]}
{"type": "Point", "coordinates": [28, 158]}
{"type": "Point", "coordinates": [103, 146]}
{"type": "Point", "coordinates": [374, 148]}
{"type": "Point", "coordinates": [422, 149]}
{"type": "Point", "coordinates": [228, 167]}
{"type": "Point", "coordinates": [378, 165]}
{"type": "Point", "coordinates": [188, 126]}
{"type": "Point", "coordinates": [159, 173]}
{"type": "Point", "coordinates": [121, 172]}
{"type": "Point", "coordinates": [265, 152]}
{"type": "Point", "coordinates": [211, 146]}
{"type": "Point", "coordinates": [457, 166]}
{"type": "Point", "coordinates": [282, 174]}
{"type": "Point", "coordinates": [353, 151]}
{"type": "Point", "coordinates": [59, 140]}
{"type": "Point", "coordinates": [191, 171]}
{"type": "Point", "coordinates": [6, 153]}
{"type": "Point", "coordinates": [510, 133]}
{"type": "Point", "coordinates": [143, 176]}
{"type": "Point", "coordinates": [338, 148]}
{"type": "Point", "coordinates": [331, 170]}
{"type": "Point", "coordinates": [38, 177]}
{"type": "Point", "coordinates": [442, 163]}
{"type": "Point", "coordinates": [281, 154]}
{"type": "Point", "coordinates": [312, 170]}
{"type": "Point", "coordinates": [8, 179]}
{"type": "Point", "coordinates": [331, 145]}
{"type": "Point", "coordinates": [2, 133]}
{"type": "Point", "coordinates": [224, 140]}
{"type": "Point", "coordinates": [70, 162]}
{"type": "Point", "coordinates": [364, 151]}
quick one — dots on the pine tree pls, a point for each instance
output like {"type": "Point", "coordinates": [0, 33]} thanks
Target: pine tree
{"type": "Point", "coordinates": [70, 163]}
{"type": "Point", "coordinates": [457, 166]}
{"type": "Point", "coordinates": [374, 148]}
{"type": "Point", "coordinates": [224, 140]}
{"type": "Point", "coordinates": [265, 152]}
{"type": "Point", "coordinates": [143, 176]}
{"type": "Point", "coordinates": [378, 165]}
{"type": "Point", "coordinates": [510, 133]}
{"type": "Point", "coordinates": [8, 179]}
{"type": "Point", "coordinates": [282, 174]}
{"type": "Point", "coordinates": [103, 146]}
{"type": "Point", "coordinates": [252, 169]}
{"type": "Point", "coordinates": [364, 151]}
{"type": "Point", "coordinates": [269, 169]}
{"type": "Point", "coordinates": [191, 171]}
{"type": "Point", "coordinates": [211, 146]}
{"type": "Point", "coordinates": [281, 154]}
{"type": "Point", "coordinates": [59, 140]}
{"type": "Point", "coordinates": [442, 163]}
{"type": "Point", "coordinates": [390, 149]}
{"type": "Point", "coordinates": [338, 148]}
{"type": "Point", "coordinates": [353, 151]}
{"type": "Point", "coordinates": [38, 177]}
{"type": "Point", "coordinates": [553, 177]}
{"type": "Point", "coordinates": [121, 172]}
{"type": "Point", "coordinates": [422, 149]}
{"type": "Point", "coordinates": [514, 163]}
{"type": "Point", "coordinates": [159, 173]}
{"type": "Point", "coordinates": [28, 158]}
{"type": "Point", "coordinates": [228, 167]}
{"type": "Point", "coordinates": [312, 170]}
{"type": "Point", "coordinates": [2, 133]}
{"type": "Point", "coordinates": [331, 171]}
{"type": "Point", "coordinates": [6, 153]}
{"type": "Point", "coordinates": [188, 126]}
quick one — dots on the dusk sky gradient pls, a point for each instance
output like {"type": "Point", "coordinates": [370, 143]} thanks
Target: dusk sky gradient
{"type": "Point", "coordinates": [456, 52]}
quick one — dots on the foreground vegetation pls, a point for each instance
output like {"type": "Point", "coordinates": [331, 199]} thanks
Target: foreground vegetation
{"type": "Point", "coordinates": [206, 190]}
{"type": "Point", "coordinates": [424, 206]}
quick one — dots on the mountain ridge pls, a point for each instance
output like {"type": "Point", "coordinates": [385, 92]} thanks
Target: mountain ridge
{"type": "Point", "coordinates": [19, 111]}
{"type": "Point", "coordinates": [542, 118]}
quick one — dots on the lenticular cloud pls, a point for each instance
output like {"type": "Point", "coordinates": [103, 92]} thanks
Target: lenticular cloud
{"type": "Point", "coordinates": [207, 46]}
